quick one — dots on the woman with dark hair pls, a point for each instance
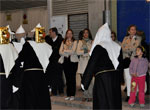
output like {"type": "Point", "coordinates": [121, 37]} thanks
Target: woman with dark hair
{"type": "Point", "coordinates": [80, 35]}
{"type": "Point", "coordinates": [69, 60]}
{"type": "Point", "coordinates": [83, 49]}
{"type": "Point", "coordinates": [86, 30]}
{"type": "Point", "coordinates": [114, 37]}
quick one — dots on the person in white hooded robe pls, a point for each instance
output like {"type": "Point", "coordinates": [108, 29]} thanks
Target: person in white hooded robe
{"type": "Point", "coordinates": [8, 55]}
{"type": "Point", "coordinates": [20, 33]}
{"type": "Point", "coordinates": [105, 64]}
{"type": "Point", "coordinates": [34, 57]}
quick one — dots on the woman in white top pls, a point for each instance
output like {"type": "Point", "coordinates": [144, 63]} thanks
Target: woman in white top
{"type": "Point", "coordinates": [69, 60]}
{"type": "Point", "coordinates": [83, 49]}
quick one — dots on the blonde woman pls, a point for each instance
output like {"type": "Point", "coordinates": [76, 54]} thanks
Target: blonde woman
{"type": "Point", "coordinates": [83, 49]}
{"type": "Point", "coordinates": [70, 62]}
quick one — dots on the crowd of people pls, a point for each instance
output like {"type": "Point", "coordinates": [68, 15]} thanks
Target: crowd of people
{"type": "Point", "coordinates": [30, 70]}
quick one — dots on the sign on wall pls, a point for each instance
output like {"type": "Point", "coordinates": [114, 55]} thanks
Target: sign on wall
{"type": "Point", "coordinates": [61, 23]}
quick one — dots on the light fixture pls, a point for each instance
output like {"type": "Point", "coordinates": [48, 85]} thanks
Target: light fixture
{"type": "Point", "coordinates": [148, 0]}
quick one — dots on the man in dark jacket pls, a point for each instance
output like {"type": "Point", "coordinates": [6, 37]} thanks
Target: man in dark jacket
{"type": "Point", "coordinates": [54, 70]}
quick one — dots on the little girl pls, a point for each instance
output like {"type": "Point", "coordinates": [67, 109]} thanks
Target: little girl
{"type": "Point", "coordinates": [138, 68]}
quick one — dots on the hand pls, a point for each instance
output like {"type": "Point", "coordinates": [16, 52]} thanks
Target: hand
{"type": "Point", "coordinates": [15, 89]}
{"type": "Point", "coordinates": [65, 51]}
{"type": "Point", "coordinates": [85, 50]}
{"type": "Point", "coordinates": [134, 75]}
{"type": "Point", "coordinates": [82, 86]}
{"type": "Point", "coordinates": [86, 55]}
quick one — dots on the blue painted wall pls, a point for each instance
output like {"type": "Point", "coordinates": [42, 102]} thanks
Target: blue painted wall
{"type": "Point", "coordinates": [133, 12]}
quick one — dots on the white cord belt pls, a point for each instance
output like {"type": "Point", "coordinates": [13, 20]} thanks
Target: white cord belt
{"type": "Point", "coordinates": [2, 73]}
{"type": "Point", "coordinates": [104, 71]}
{"type": "Point", "coordinates": [32, 69]}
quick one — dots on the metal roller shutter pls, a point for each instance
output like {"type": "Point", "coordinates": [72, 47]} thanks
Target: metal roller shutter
{"type": "Point", "coordinates": [77, 23]}
{"type": "Point", "coordinates": [65, 7]}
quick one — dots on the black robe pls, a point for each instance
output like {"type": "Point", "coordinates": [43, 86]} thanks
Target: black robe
{"type": "Point", "coordinates": [107, 85]}
{"type": "Point", "coordinates": [54, 70]}
{"type": "Point", "coordinates": [34, 92]}
{"type": "Point", "coordinates": [5, 88]}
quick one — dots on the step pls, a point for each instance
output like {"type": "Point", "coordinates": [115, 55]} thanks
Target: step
{"type": "Point", "coordinates": [77, 103]}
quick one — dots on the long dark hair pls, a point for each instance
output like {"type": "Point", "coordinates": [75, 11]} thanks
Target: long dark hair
{"type": "Point", "coordinates": [66, 35]}
{"type": "Point", "coordinates": [143, 50]}
{"type": "Point", "coordinates": [89, 34]}
{"type": "Point", "coordinates": [80, 35]}
{"type": "Point", "coordinates": [112, 32]}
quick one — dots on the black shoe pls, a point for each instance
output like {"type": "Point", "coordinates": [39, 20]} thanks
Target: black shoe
{"type": "Point", "coordinates": [127, 99]}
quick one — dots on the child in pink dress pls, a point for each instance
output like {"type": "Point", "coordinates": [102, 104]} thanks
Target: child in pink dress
{"type": "Point", "coordinates": [138, 68]}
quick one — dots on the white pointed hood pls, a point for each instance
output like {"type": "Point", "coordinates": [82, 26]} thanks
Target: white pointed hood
{"type": "Point", "coordinates": [103, 38]}
{"type": "Point", "coordinates": [43, 52]}
{"type": "Point", "coordinates": [38, 25]}
{"type": "Point", "coordinates": [9, 30]}
{"type": "Point", "coordinates": [9, 55]}
{"type": "Point", "coordinates": [20, 30]}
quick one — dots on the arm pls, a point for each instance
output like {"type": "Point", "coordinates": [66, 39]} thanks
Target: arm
{"type": "Point", "coordinates": [22, 53]}
{"type": "Point", "coordinates": [144, 67]}
{"type": "Point", "coordinates": [90, 69]}
{"type": "Point", "coordinates": [47, 39]}
{"type": "Point", "coordinates": [72, 51]}
{"type": "Point", "coordinates": [120, 59]}
{"type": "Point", "coordinates": [16, 74]}
{"type": "Point", "coordinates": [137, 42]}
{"type": "Point", "coordinates": [17, 71]}
{"type": "Point", "coordinates": [61, 50]}
{"type": "Point", "coordinates": [55, 54]}
{"type": "Point", "coordinates": [131, 67]}
{"type": "Point", "coordinates": [123, 45]}
{"type": "Point", "coordinates": [120, 67]}
{"type": "Point", "coordinates": [79, 51]}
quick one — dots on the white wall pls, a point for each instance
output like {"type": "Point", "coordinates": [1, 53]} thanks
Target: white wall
{"type": "Point", "coordinates": [34, 16]}
{"type": "Point", "coordinates": [40, 14]}
{"type": "Point", "coordinates": [61, 23]}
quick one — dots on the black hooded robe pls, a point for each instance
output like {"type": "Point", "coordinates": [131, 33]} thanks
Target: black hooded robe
{"type": "Point", "coordinates": [34, 93]}
{"type": "Point", "coordinates": [107, 85]}
{"type": "Point", "coordinates": [5, 87]}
